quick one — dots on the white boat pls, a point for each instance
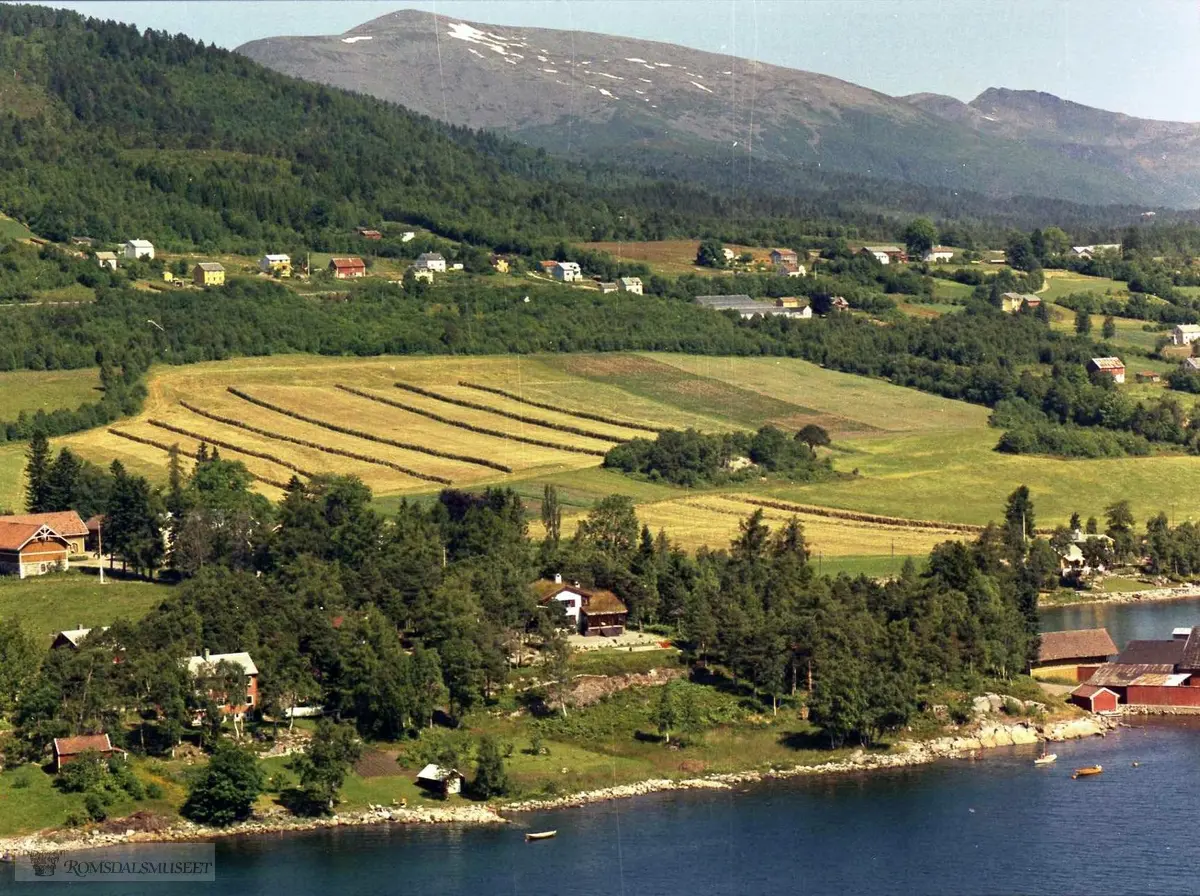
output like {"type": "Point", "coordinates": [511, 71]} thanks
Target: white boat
{"type": "Point", "coordinates": [541, 835]}
{"type": "Point", "coordinates": [1045, 760]}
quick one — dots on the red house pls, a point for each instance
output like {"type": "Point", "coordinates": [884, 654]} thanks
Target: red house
{"type": "Point", "coordinates": [31, 549]}
{"type": "Point", "coordinates": [68, 749]}
{"type": "Point", "coordinates": [368, 234]}
{"type": "Point", "coordinates": [347, 268]}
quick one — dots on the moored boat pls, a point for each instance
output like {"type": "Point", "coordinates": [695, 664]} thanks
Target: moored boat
{"type": "Point", "coordinates": [541, 835]}
{"type": "Point", "coordinates": [1046, 759]}
{"type": "Point", "coordinates": [1087, 770]}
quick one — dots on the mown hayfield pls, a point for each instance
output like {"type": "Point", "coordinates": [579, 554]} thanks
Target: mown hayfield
{"type": "Point", "coordinates": [46, 390]}
{"type": "Point", "coordinates": [712, 520]}
{"type": "Point", "coordinates": [1131, 333]}
{"type": "Point", "coordinates": [670, 256]}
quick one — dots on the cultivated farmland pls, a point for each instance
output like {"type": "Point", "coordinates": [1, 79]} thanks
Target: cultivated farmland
{"type": "Point", "coordinates": [407, 426]}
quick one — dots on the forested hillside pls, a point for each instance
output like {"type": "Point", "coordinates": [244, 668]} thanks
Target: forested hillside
{"type": "Point", "coordinates": [113, 134]}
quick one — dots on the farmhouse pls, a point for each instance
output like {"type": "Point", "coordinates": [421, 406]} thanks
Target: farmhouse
{"type": "Point", "coordinates": [790, 269]}
{"type": "Point", "coordinates": [31, 549]}
{"type": "Point", "coordinates": [938, 254]}
{"type": "Point", "coordinates": [68, 749]}
{"type": "Point", "coordinates": [66, 523]}
{"type": "Point", "coordinates": [548, 266]}
{"type": "Point", "coordinates": [630, 284]}
{"type": "Point", "coordinates": [431, 261]}
{"type": "Point", "coordinates": [747, 307]}
{"type": "Point", "coordinates": [591, 611]}
{"type": "Point", "coordinates": [607, 286]}
{"type": "Point", "coordinates": [139, 249]}
{"type": "Point", "coordinates": [442, 781]}
{"type": "Point", "coordinates": [1011, 302]}
{"type": "Point", "coordinates": [728, 254]}
{"type": "Point", "coordinates": [367, 234]}
{"type": "Point", "coordinates": [839, 303]}
{"type": "Point", "coordinates": [1191, 365]}
{"type": "Point", "coordinates": [1185, 334]}
{"type": "Point", "coordinates": [885, 254]}
{"type": "Point", "coordinates": [567, 271]}
{"type": "Point", "coordinates": [1073, 559]}
{"type": "Point", "coordinates": [208, 273]}
{"type": "Point", "coordinates": [347, 268]}
{"type": "Point", "coordinates": [205, 666]}
{"type": "Point", "coordinates": [1092, 251]}
{"type": "Point", "coordinates": [1113, 367]}
{"type": "Point", "coordinates": [1066, 654]}
{"type": "Point", "coordinates": [276, 264]}
{"type": "Point", "coordinates": [107, 260]}
{"type": "Point", "coordinates": [783, 256]}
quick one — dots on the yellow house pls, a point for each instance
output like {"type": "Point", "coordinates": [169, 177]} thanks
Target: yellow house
{"type": "Point", "coordinates": [208, 273]}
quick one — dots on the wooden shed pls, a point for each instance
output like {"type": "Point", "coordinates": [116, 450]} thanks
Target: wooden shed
{"type": "Point", "coordinates": [68, 749]}
{"type": "Point", "coordinates": [1064, 654]}
{"type": "Point", "coordinates": [442, 781]}
{"type": "Point", "coordinates": [1094, 698]}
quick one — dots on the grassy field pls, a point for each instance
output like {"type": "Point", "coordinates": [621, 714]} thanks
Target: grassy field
{"type": "Point", "coordinates": [46, 390]}
{"type": "Point", "coordinates": [671, 256]}
{"type": "Point", "coordinates": [951, 292]}
{"type": "Point", "coordinates": [49, 604]}
{"type": "Point", "coordinates": [11, 229]}
{"type": "Point", "coordinates": [1061, 283]}
{"type": "Point", "coordinates": [1131, 333]}
{"type": "Point", "coordinates": [915, 455]}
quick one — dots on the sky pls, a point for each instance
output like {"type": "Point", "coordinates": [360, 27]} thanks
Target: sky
{"type": "Point", "coordinates": [1141, 58]}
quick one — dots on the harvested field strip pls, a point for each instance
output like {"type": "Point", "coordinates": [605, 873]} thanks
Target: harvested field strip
{"type": "Point", "coordinates": [535, 421]}
{"type": "Point", "coordinates": [266, 433]}
{"type": "Point", "coordinates": [163, 446]}
{"type": "Point", "coordinates": [229, 446]}
{"type": "Point", "coordinates": [370, 437]}
{"type": "Point", "coordinates": [851, 516]}
{"type": "Point", "coordinates": [546, 406]}
{"type": "Point", "coordinates": [449, 421]}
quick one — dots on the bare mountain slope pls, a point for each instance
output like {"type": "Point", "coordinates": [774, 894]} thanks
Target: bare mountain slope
{"type": "Point", "coordinates": [611, 97]}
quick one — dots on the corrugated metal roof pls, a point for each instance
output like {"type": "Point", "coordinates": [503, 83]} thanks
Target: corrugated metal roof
{"type": "Point", "coordinates": [1125, 674]}
{"type": "Point", "coordinates": [1108, 363]}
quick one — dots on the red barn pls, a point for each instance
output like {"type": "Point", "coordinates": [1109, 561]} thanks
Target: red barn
{"type": "Point", "coordinates": [31, 549]}
{"type": "Point", "coordinates": [347, 268]}
{"type": "Point", "coordinates": [68, 749]}
{"type": "Point", "coordinates": [1095, 699]}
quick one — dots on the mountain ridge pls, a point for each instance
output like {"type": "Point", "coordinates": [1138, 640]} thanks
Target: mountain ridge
{"type": "Point", "coordinates": [582, 94]}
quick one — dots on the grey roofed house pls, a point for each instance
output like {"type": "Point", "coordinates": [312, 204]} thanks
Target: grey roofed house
{"type": "Point", "coordinates": [440, 780]}
{"type": "Point", "coordinates": [747, 307]}
{"type": "Point", "coordinates": [1162, 652]}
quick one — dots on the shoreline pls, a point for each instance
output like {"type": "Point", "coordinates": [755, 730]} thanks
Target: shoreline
{"type": "Point", "coordinates": [984, 735]}
{"type": "Point", "coordinates": [1149, 595]}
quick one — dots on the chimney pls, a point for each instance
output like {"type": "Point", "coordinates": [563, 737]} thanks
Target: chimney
{"type": "Point", "coordinates": [558, 578]}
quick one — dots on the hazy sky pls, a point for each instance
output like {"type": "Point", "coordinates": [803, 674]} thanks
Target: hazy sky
{"type": "Point", "coordinates": [1141, 57]}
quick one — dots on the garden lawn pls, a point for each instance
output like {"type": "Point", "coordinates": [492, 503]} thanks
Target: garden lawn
{"type": "Point", "coordinates": [49, 604]}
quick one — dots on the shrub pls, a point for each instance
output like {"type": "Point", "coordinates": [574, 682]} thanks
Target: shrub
{"type": "Point", "coordinates": [96, 806]}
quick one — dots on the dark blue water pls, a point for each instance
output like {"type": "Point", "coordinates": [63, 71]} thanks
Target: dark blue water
{"type": "Point", "coordinates": [1000, 825]}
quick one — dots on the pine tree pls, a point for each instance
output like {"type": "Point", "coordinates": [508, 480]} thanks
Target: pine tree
{"type": "Point", "coordinates": [491, 778]}
{"type": "Point", "coordinates": [37, 474]}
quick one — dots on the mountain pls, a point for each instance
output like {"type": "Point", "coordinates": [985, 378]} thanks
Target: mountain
{"type": "Point", "coordinates": [112, 133]}
{"type": "Point", "coordinates": [603, 97]}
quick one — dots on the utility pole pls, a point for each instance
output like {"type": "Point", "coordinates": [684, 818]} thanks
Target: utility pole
{"type": "Point", "coordinates": [100, 545]}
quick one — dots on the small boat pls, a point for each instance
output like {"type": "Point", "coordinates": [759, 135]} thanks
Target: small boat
{"type": "Point", "coordinates": [1045, 759]}
{"type": "Point", "coordinates": [1087, 770]}
{"type": "Point", "coordinates": [540, 835]}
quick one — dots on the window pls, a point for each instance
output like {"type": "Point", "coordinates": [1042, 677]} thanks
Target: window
{"type": "Point", "coordinates": [249, 699]}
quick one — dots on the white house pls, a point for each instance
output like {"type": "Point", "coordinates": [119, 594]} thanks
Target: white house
{"type": "Point", "coordinates": [107, 260]}
{"type": "Point", "coordinates": [1185, 334]}
{"type": "Point", "coordinates": [630, 284]}
{"type": "Point", "coordinates": [729, 254]}
{"type": "Point", "coordinates": [938, 254]}
{"type": "Point", "coordinates": [406, 236]}
{"type": "Point", "coordinates": [567, 271]}
{"type": "Point", "coordinates": [571, 597]}
{"type": "Point", "coordinates": [431, 261]}
{"type": "Point", "coordinates": [790, 269]}
{"type": "Point", "coordinates": [139, 249]}
{"type": "Point", "coordinates": [1191, 365]}
{"type": "Point", "coordinates": [442, 781]}
{"type": "Point", "coordinates": [269, 264]}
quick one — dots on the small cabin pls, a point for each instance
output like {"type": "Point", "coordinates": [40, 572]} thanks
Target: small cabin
{"type": "Point", "coordinates": [441, 781]}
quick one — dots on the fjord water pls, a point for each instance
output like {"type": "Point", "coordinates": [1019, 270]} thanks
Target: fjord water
{"type": "Point", "coordinates": [999, 825]}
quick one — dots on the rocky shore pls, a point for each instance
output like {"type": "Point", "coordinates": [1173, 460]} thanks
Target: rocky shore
{"type": "Point", "coordinates": [986, 732]}
{"type": "Point", "coordinates": [1179, 592]}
